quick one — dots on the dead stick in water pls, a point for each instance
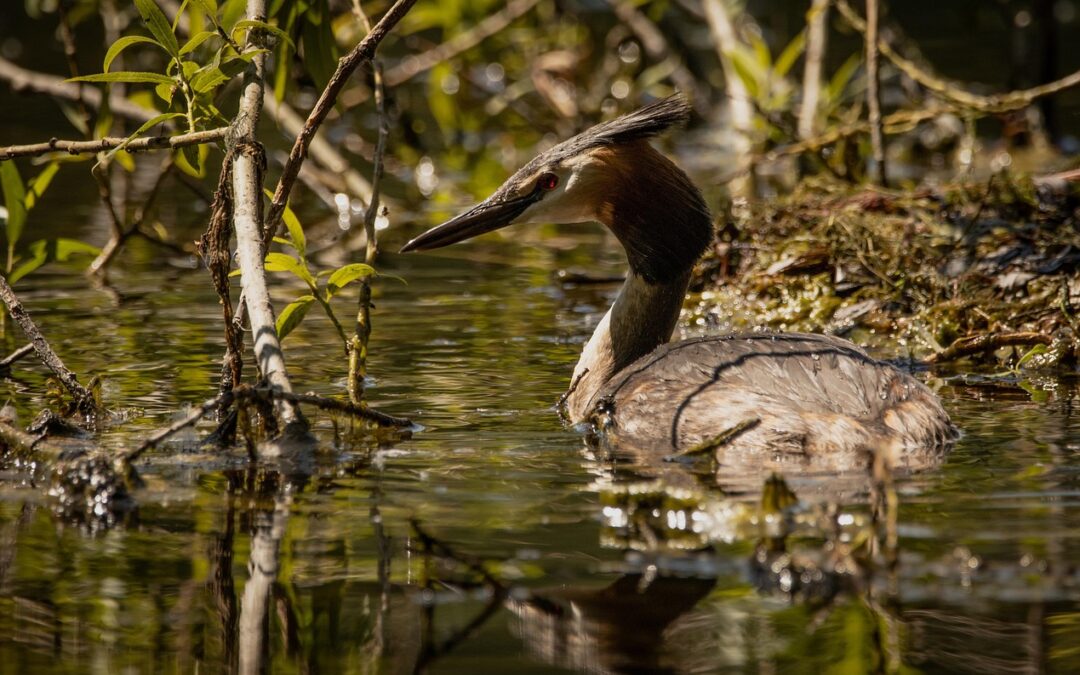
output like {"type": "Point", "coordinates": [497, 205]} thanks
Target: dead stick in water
{"type": "Point", "coordinates": [83, 398]}
{"type": "Point", "coordinates": [976, 344]}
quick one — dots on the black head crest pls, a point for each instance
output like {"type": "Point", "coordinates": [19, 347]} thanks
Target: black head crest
{"type": "Point", "coordinates": [646, 122]}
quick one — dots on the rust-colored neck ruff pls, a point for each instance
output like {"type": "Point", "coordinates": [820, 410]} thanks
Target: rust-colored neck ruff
{"type": "Point", "coordinates": [661, 220]}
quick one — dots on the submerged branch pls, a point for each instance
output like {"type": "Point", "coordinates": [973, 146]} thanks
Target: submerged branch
{"type": "Point", "coordinates": [84, 399]}
{"type": "Point", "coordinates": [977, 344]}
{"type": "Point", "coordinates": [245, 393]}
{"type": "Point", "coordinates": [110, 143]}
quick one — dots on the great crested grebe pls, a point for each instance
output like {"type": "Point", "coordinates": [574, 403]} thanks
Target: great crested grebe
{"type": "Point", "coordinates": [777, 396]}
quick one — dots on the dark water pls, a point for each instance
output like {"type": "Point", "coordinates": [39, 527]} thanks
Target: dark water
{"type": "Point", "coordinates": [493, 541]}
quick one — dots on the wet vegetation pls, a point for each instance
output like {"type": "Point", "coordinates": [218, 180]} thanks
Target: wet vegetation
{"type": "Point", "coordinates": [184, 182]}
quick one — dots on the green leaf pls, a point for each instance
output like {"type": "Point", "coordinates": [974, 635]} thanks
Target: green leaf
{"type": "Point", "coordinates": [179, 13]}
{"type": "Point", "coordinates": [212, 76]}
{"type": "Point", "coordinates": [166, 92]}
{"type": "Point", "coordinates": [192, 159]}
{"type": "Point", "coordinates": [320, 47]}
{"type": "Point", "coordinates": [286, 242]}
{"type": "Point", "coordinates": [146, 126]}
{"type": "Point", "coordinates": [842, 77]}
{"type": "Point", "coordinates": [159, 25]}
{"type": "Point", "coordinates": [15, 201]}
{"type": "Point", "coordinates": [39, 183]}
{"type": "Point", "coordinates": [790, 55]}
{"type": "Point", "coordinates": [273, 30]}
{"type": "Point", "coordinates": [196, 40]}
{"type": "Point", "coordinates": [292, 315]}
{"type": "Point", "coordinates": [122, 44]}
{"type": "Point", "coordinates": [746, 69]}
{"type": "Point", "coordinates": [296, 232]}
{"type": "Point", "coordinates": [48, 250]}
{"type": "Point", "coordinates": [125, 76]}
{"type": "Point", "coordinates": [280, 262]}
{"type": "Point", "coordinates": [345, 275]}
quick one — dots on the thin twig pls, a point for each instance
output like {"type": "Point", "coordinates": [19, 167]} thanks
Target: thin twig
{"type": "Point", "coordinates": [109, 143]}
{"type": "Point", "coordinates": [873, 93]}
{"type": "Point", "coordinates": [119, 234]}
{"type": "Point", "coordinates": [363, 52]}
{"type": "Point", "coordinates": [358, 345]}
{"type": "Point", "coordinates": [246, 393]}
{"type": "Point", "coordinates": [952, 92]}
{"type": "Point", "coordinates": [17, 355]}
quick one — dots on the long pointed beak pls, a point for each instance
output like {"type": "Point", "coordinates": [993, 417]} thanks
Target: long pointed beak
{"type": "Point", "coordinates": [486, 216]}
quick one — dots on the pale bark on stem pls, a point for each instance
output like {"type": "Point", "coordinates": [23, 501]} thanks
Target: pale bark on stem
{"type": "Point", "coordinates": [83, 398]}
{"type": "Point", "coordinates": [816, 41]}
{"type": "Point", "coordinates": [109, 143]}
{"type": "Point", "coordinates": [873, 94]}
{"type": "Point", "coordinates": [247, 167]}
{"type": "Point", "coordinates": [364, 51]}
{"type": "Point", "coordinates": [740, 107]}
{"type": "Point", "coordinates": [358, 345]}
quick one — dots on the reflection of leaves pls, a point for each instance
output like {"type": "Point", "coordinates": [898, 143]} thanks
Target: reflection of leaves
{"type": "Point", "coordinates": [292, 315]}
{"type": "Point", "coordinates": [49, 250]}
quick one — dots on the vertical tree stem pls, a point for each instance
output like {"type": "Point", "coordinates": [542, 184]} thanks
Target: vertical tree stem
{"type": "Point", "coordinates": [358, 345]}
{"type": "Point", "coordinates": [873, 93]}
{"type": "Point", "coordinates": [817, 20]}
{"type": "Point", "coordinates": [248, 162]}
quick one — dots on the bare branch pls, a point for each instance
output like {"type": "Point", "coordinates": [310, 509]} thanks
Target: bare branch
{"type": "Point", "coordinates": [108, 143]}
{"type": "Point", "coordinates": [248, 164]}
{"type": "Point", "coordinates": [952, 92]}
{"type": "Point", "coordinates": [363, 52]}
{"type": "Point", "coordinates": [873, 93]}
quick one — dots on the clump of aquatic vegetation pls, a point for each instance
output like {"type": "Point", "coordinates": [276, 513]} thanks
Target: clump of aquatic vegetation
{"type": "Point", "coordinates": [985, 270]}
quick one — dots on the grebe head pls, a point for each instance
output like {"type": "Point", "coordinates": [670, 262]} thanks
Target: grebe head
{"type": "Point", "coordinates": [608, 174]}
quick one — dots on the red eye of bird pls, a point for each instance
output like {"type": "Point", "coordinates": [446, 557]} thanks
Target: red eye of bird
{"type": "Point", "coordinates": [548, 181]}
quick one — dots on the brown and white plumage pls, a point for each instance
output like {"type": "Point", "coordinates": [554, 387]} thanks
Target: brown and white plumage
{"type": "Point", "coordinates": [758, 399]}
